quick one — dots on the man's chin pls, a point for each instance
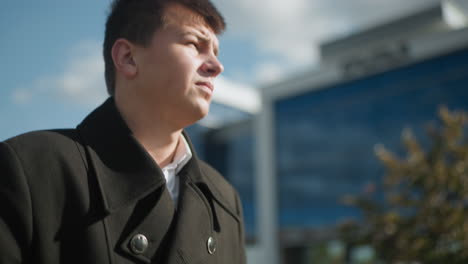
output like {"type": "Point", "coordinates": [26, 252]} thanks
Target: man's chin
{"type": "Point", "coordinates": [204, 107]}
{"type": "Point", "coordinates": [203, 113]}
{"type": "Point", "coordinates": [197, 114]}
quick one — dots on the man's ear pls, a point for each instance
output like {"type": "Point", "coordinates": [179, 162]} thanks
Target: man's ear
{"type": "Point", "coordinates": [123, 57]}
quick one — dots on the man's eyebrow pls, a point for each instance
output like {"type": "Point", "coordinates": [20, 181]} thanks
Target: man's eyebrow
{"type": "Point", "coordinates": [203, 38]}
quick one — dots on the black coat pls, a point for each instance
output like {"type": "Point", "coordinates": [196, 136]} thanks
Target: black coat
{"type": "Point", "coordinates": [83, 195]}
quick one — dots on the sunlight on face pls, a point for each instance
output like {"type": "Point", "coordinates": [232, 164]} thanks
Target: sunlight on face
{"type": "Point", "coordinates": [176, 70]}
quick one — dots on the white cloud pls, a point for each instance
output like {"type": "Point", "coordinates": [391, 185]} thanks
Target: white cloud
{"type": "Point", "coordinates": [268, 72]}
{"type": "Point", "coordinates": [294, 29]}
{"type": "Point", "coordinates": [235, 94]}
{"type": "Point", "coordinates": [81, 82]}
{"type": "Point", "coordinates": [22, 96]}
{"type": "Point", "coordinates": [83, 78]}
{"type": "Point", "coordinates": [287, 33]}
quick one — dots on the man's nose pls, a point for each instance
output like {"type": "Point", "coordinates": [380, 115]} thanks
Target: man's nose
{"type": "Point", "coordinates": [212, 66]}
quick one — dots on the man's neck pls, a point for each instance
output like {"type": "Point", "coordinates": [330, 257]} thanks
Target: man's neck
{"type": "Point", "coordinates": [163, 149]}
{"type": "Point", "coordinates": [156, 135]}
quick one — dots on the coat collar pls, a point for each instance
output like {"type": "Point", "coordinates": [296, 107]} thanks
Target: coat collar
{"type": "Point", "coordinates": [124, 170]}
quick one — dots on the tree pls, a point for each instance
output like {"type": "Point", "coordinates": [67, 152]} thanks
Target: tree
{"type": "Point", "coordinates": [424, 215]}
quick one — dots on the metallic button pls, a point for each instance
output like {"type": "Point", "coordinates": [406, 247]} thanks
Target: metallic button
{"type": "Point", "coordinates": [138, 244]}
{"type": "Point", "coordinates": [211, 245]}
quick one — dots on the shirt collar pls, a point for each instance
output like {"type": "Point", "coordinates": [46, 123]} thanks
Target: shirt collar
{"type": "Point", "coordinates": [182, 156]}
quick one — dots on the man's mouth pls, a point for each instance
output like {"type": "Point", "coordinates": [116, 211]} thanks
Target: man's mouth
{"type": "Point", "coordinates": [208, 85]}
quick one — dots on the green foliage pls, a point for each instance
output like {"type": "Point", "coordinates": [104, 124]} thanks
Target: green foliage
{"type": "Point", "coordinates": [424, 217]}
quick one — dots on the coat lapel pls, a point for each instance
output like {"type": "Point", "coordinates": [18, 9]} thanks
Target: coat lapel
{"type": "Point", "coordinates": [131, 185]}
{"type": "Point", "coordinates": [197, 221]}
{"type": "Point", "coordinates": [194, 226]}
{"type": "Point", "coordinates": [155, 226]}
{"type": "Point", "coordinates": [124, 170]}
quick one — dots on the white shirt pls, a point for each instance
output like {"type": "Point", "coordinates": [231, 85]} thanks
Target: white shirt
{"type": "Point", "coordinates": [182, 156]}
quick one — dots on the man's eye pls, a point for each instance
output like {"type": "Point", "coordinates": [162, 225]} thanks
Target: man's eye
{"type": "Point", "coordinates": [194, 44]}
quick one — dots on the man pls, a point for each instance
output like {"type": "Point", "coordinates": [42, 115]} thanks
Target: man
{"type": "Point", "coordinates": [126, 186]}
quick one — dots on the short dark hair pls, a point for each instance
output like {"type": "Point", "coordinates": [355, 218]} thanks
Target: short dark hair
{"type": "Point", "coordinates": [137, 20]}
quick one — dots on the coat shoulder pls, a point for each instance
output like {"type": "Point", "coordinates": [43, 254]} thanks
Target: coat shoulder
{"type": "Point", "coordinates": [47, 153]}
{"type": "Point", "coordinates": [43, 137]}
{"type": "Point", "coordinates": [44, 143]}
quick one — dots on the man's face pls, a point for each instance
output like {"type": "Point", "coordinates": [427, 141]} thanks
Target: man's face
{"type": "Point", "coordinates": [175, 72]}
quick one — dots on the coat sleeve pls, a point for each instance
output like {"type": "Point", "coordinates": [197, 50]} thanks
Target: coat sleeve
{"type": "Point", "coordinates": [15, 208]}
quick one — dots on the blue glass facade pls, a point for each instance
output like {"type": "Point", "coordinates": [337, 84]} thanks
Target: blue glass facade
{"type": "Point", "coordinates": [325, 138]}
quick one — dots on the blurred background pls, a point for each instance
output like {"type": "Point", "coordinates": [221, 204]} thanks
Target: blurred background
{"type": "Point", "coordinates": [311, 89]}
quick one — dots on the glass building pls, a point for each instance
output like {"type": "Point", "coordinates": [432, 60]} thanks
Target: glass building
{"type": "Point", "coordinates": [318, 131]}
{"type": "Point", "coordinates": [325, 138]}
{"type": "Point", "coordinates": [313, 141]}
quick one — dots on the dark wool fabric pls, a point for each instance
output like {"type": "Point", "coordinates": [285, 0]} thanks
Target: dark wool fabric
{"type": "Point", "coordinates": [82, 195]}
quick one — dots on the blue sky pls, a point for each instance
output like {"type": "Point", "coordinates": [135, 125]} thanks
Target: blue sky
{"type": "Point", "coordinates": [51, 68]}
